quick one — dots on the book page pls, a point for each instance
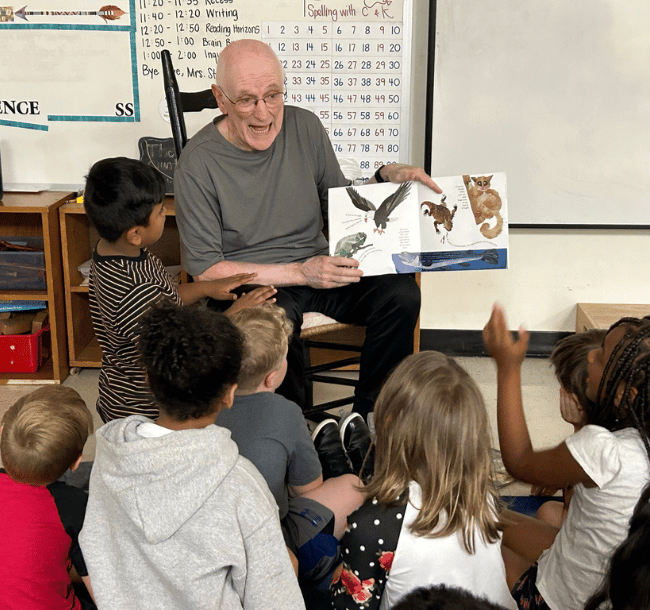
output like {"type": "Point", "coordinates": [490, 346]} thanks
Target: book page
{"type": "Point", "coordinates": [392, 228]}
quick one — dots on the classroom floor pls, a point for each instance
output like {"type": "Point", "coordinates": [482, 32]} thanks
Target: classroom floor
{"type": "Point", "coordinates": [540, 391]}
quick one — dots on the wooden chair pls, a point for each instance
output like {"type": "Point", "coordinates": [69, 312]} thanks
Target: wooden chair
{"type": "Point", "coordinates": [179, 102]}
{"type": "Point", "coordinates": [324, 336]}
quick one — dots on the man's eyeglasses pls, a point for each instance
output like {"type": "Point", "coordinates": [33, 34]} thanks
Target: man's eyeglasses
{"type": "Point", "coordinates": [247, 104]}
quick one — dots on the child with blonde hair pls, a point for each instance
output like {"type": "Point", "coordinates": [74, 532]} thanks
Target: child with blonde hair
{"type": "Point", "coordinates": [272, 433]}
{"type": "Point", "coordinates": [43, 434]}
{"type": "Point", "coordinates": [431, 516]}
{"type": "Point", "coordinates": [606, 461]}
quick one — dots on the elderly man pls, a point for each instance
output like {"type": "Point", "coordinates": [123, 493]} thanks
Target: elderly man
{"type": "Point", "coordinates": [251, 196]}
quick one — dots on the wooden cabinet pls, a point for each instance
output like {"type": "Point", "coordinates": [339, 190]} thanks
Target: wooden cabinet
{"type": "Point", "coordinates": [36, 214]}
{"type": "Point", "coordinates": [78, 239]}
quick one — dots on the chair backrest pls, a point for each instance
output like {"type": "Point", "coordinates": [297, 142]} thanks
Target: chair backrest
{"type": "Point", "coordinates": [179, 102]}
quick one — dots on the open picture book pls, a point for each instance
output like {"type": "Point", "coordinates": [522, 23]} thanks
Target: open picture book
{"type": "Point", "coordinates": [404, 228]}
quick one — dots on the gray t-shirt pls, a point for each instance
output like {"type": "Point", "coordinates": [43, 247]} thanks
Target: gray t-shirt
{"type": "Point", "coordinates": [272, 433]}
{"type": "Point", "coordinates": [261, 207]}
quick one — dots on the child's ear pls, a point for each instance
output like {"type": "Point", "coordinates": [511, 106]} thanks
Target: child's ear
{"type": "Point", "coordinates": [77, 462]}
{"type": "Point", "coordinates": [229, 396]}
{"type": "Point", "coordinates": [133, 236]}
{"type": "Point", "coordinates": [576, 401]}
{"type": "Point", "coordinates": [269, 380]}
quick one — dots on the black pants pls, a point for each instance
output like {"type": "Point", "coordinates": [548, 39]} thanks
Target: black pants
{"type": "Point", "coordinates": [387, 305]}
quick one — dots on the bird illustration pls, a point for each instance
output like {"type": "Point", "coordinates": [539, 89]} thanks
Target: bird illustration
{"type": "Point", "coordinates": [386, 207]}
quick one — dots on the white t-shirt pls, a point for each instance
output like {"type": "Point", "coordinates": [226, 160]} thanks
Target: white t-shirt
{"type": "Point", "coordinates": [598, 519]}
{"type": "Point", "coordinates": [421, 562]}
{"type": "Point", "coordinates": [149, 429]}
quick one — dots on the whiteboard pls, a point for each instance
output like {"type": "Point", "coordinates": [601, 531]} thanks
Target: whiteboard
{"type": "Point", "coordinates": [555, 94]}
{"type": "Point", "coordinates": [80, 82]}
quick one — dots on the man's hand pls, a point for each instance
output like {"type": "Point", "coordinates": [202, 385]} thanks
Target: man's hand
{"type": "Point", "coordinates": [500, 343]}
{"type": "Point", "coordinates": [399, 172]}
{"type": "Point", "coordinates": [220, 290]}
{"type": "Point", "coordinates": [330, 271]}
{"type": "Point", "coordinates": [254, 298]}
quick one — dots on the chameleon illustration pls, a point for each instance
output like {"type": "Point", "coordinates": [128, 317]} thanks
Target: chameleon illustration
{"type": "Point", "coordinates": [349, 245]}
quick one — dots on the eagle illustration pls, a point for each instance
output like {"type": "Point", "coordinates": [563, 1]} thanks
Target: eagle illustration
{"type": "Point", "coordinates": [386, 207]}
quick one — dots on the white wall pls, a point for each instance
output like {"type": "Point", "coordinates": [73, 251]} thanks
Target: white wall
{"type": "Point", "coordinates": [550, 270]}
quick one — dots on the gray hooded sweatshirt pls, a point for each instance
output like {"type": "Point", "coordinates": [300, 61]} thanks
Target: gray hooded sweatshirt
{"type": "Point", "coordinates": [182, 521]}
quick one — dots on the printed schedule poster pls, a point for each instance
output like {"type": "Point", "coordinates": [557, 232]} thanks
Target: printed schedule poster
{"type": "Point", "coordinates": [87, 80]}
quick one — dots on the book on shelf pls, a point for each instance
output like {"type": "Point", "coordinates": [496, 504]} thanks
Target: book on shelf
{"type": "Point", "coordinates": [21, 305]}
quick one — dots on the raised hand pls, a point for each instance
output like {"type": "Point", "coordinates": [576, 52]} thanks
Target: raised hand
{"type": "Point", "coordinates": [499, 340]}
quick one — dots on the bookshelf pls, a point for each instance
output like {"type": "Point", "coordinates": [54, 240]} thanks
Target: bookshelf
{"type": "Point", "coordinates": [36, 214]}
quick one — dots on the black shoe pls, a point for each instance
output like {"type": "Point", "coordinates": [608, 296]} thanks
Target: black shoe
{"type": "Point", "coordinates": [357, 443]}
{"type": "Point", "coordinates": [327, 441]}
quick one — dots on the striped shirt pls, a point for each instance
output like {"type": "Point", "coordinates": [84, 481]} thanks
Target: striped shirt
{"type": "Point", "coordinates": [122, 288]}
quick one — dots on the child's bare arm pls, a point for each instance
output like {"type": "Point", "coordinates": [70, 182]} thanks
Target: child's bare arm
{"type": "Point", "coordinates": [552, 467]}
{"type": "Point", "coordinates": [301, 490]}
{"type": "Point", "coordinates": [294, 560]}
{"type": "Point", "coordinates": [219, 290]}
{"type": "Point", "coordinates": [86, 581]}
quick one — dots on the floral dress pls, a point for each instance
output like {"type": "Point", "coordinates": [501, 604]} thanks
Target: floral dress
{"type": "Point", "coordinates": [367, 549]}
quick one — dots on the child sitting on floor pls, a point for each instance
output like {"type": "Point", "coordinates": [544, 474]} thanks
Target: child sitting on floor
{"type": "Point", "coordinates": [43, 434]}
{"type": "Point", "coordinates": [124, 201]}
{"type": "Point", "coordinates": [272, 433]}
{"type": "Point", "coordinates": [627, 584]}
{"type": "Point", "coordinates": [606, 461]}
{"type": "Point", "coordinates": [176, 517]}
{"type": "Point", "coordinates": [432, 512]}
{"type": "Point", "coordinates": [569, 359]}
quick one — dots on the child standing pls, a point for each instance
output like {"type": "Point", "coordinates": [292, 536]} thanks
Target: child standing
{"type": "Point", "coordinates": [606, 461]}
{"type": "Point", "coordinates": [272, 433]}
{"type": "Point", "coordinates": [432, 513]}
{"type": "Point", "coordinates": [124, 201]}
{"type": "Point", "coordinates": [43, 434]}
{"type": "Point", "coordinates": [176, 517]}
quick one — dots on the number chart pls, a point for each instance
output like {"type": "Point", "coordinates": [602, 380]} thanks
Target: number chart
{"type": "Point", "coordinates": [350, 75]}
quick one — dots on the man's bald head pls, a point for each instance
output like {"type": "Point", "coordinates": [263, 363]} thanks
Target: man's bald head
{"type": "Point", "coordinates": [233, 53]}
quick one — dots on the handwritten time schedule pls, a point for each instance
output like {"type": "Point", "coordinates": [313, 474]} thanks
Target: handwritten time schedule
{"type": "Point", "coordinates": [350, 75]}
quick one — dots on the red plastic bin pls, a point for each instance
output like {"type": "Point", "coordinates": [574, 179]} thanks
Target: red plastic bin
{"type": "Point", "coordinates": [23, 353]}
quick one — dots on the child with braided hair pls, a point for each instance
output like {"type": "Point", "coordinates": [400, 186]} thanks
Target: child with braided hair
{"type": "Point", "coordinates": [607, 462]}
{"type": "Point", "coordinates": [627, 584]}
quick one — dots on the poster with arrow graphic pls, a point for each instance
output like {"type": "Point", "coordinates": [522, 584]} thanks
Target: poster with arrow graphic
{"type": "Point", "coordinates": [406, 228]}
